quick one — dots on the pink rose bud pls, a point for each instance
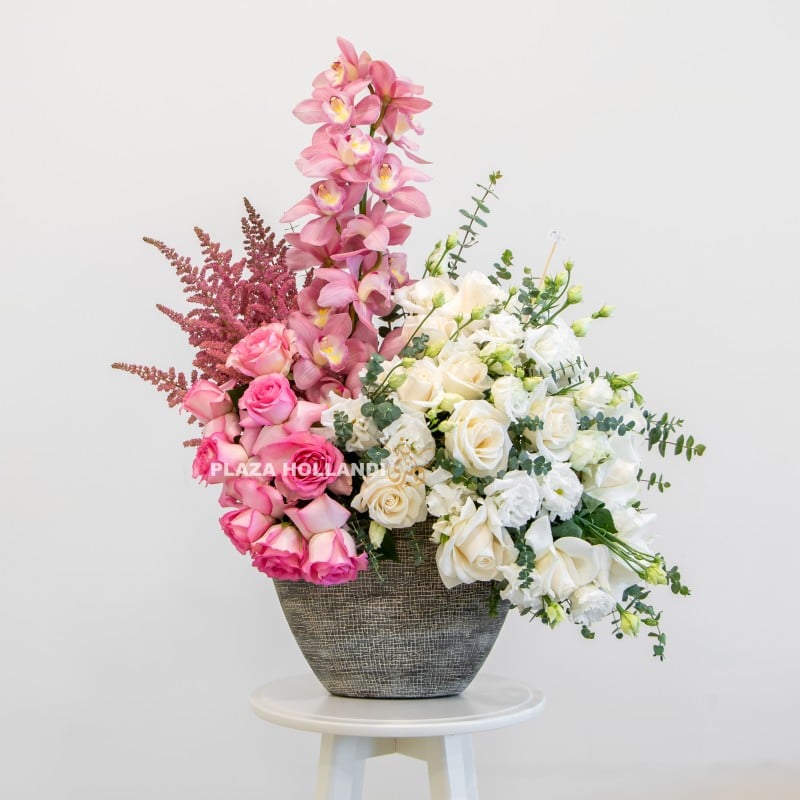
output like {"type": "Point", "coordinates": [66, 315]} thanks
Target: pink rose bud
{"type": "Point", "coordinates": [253, 493]}
{"type": "Point", "coordinates": [267, 349]}
{"type": "Point", "coordinates": [205, 400]}
{"type": "Point", "coordinates": [217, 458]}
{"type": "Point", "coordinates": [280, 553]}
{"type": "Point", "coordinates": [269, 400]}
{"type": "Point", "coordinates": [332, 558]}
{"type": "Point", "coordinates": [244, 526]}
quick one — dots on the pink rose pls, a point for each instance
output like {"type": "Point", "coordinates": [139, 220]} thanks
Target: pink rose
{"type": "Point", "coordinates": [305, 464]}
{"type": "Point", "coordinates": [244, 526]}
{"type": "Point", "coordinates": [332, 558]}
{"type": "Point", "coordinates": [267, 349]}
{"type": "Point", "coordinates": [253, 493]}
{"type": "Point", "coordinates": [205, 400]}
{"type": "Point", "coordinates": [321, 514]}
{"type": "Point", "coordinates": [304, 416]}
{"type": "Point", "coordinates": [215, 457]}
{"type": "Point", "coordinates": [269, 400]}
{"type": "Point", "coordinates": [280, 553]}
{"type": "Point", "coordinates": [227, 426]}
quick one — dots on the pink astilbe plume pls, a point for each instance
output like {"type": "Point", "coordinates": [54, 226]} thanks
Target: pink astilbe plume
{"type": "Point", "coordinates": [231, 299]}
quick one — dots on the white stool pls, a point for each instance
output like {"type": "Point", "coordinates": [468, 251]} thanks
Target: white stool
{"type": "Point", "coordinates": [437, 731]}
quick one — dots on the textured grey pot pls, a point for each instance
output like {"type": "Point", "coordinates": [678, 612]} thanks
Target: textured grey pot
{"type": "Point", "coordinates": [405, 637]}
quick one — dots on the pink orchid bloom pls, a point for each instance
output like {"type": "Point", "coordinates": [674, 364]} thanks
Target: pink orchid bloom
{"type": "Point", "coordinates": [387, 182]}
{"type": "Point", "coordinates": [321, 350]}
{"type": "Point", "coordinates": [336, 106]}
{"type": "Point", "coordinates": [398, 268]}
{"type": "Point", "coordinates": [346, 155]}
{"type": "Point", "coordinates": [301, 256]}
{"type": "Point", "coordinates": [377, 229]}
{"type": "Point", "coordinates": [395, 92]}
{"type": "Point", "coordinates": [327, 199]}
{"type": "Point", "coordinates": [349, 66]}
{"type": "Point", "coordinates": [320, 515]}
{"type": "Point", "coordinates": [396, 125]}
{"type": "Point", "coordinates": [372, 295]}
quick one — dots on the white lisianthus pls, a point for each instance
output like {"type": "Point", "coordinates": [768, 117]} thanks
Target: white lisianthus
{"type": "Point", "coordinates": [409, 441]}
{"type": "Point", "coordinates": [445, 497]}
{"type": "Point", "coordinates": [478, 438]}
{"type": "Point", "coordinates": [505, 328]}
{"type": "Point", "coordinates": [514, 498]}
{"type": "Point", "coordinates": [561, 491]}
{"type": "Point", "coordinates": [463, 372]}
{"type": "Point", "coordinates": [417, 297]}
{"type": "Point", "coordinates": [553, 347]}
{"type": "Point", "coordinates": [564, 564]}
{"type": "Point", "coordinates": [391, 502]}
{"type": "Point", "coordinates": [559, 426]}
{"type": "Point", "coordinates": [614, 575]}
{"type": "Point", "coordinates": [593, 397]}
{"type": "Point", "coordinates": [523, 597]}
{"type": "Point", "coordinates": [365, 432]}
{"type": "Point", "coordinates": [473, 551]}
{"type": "Point", "coordinates": [422, 389]}
{"type": "Point", "coordinates": [510, 397]}
{"type": "Point", "coordinates": [474, 291]}
{"type": "Point", "coordinates": [590, 447]}
{"type": "Point", "coordinates": [589, 604]}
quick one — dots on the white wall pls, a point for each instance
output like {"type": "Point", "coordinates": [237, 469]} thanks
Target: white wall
{"type": "Point", "coordinates": [661, 138]}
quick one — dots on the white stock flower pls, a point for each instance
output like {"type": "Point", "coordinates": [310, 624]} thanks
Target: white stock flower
{"type": "Point", "coordinates": [478, 437]}
{"type": "Point", "coordinates": [590, 447]}
{"type": "Point", "coordinates": [391, 502]}
{"type": "Point", "coordinates": [473, 551]}
{"type": "Point", "coordinates": [365, 432]}
{"type": "Point", "coordinates": [594, 396]}
{"type": "Point", "coordinates": [422, 389]}
{"type": "Point", "coordinates": [409, 441]}
{"type": "Point", "coordinates": [553, 347]}
{"type": "Point", "coordinates": [589, 604]}
{"type": "Point", "coordinates": [559, 426]}
{"type": "Point", "coordinates": [561, 491]}
{"type": "Point", "coordinates": [417, 297]}
{"type": "Point", "coordinates": [564, 564]}
{"type": "Point", "coordinates": [523, 597]}
{"type": "Point", "coordinates": [514, 498]}
{"type": "Point", "coordinates": [445, 497]}
{"type": "Point", "coordinates": [510, 397]}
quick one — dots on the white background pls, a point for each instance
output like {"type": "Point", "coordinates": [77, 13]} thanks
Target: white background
{"type": "Point", "coordinates": [660, 137]}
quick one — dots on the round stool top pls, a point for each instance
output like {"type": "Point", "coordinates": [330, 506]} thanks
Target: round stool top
{"type": "Point", "coordinates": [489, 702]}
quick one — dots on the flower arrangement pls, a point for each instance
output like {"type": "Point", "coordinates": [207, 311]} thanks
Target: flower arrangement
{"type": "Point", "coordinates": [338, 415]}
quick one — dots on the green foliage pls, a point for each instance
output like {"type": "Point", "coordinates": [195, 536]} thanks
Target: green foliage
{"type": "Point", "coordinates": [343, 429]}
{"type": "Point", "coordinates": [502, 268]}
{"type": "Point", "coordinates": [416, 347]}
{"type": "Point", "coordinates": [383, 413]}
{"type": "Point", "coordinates": [660, 429]}
{"type": "Point", "coordinates": [605, 424]}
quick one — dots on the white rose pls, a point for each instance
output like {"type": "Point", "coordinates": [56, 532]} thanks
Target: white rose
{"type": "Point", "coordinates": [422, 389]}
{"type": "Point", "coordinates": [514, 498]}
{"type": "Point", "coordinates": [589, 604]}
{"type": "Point", "coordinates": [478, 438]}
{"type": "Point", "coordinates": [563, 565]}
{"type": "Point", "coordinates": [505, 328]}
{"type": "Point", "coordinates": [391, 502]}
{"type": "Point", "coordinates": [445, 497]}
{"type": "Point", "coordinates": [417, 297]}
{"type": "Point", "coordinates": [510, 397]}
{"type": "Point", "coordinates": [554, 348]}
{"type": "Point", "coordinates": [439, 327]}
{"type": "Point", "coordinates": [475, 291]}
{"type": "Point", "coordinates": [614, 482]}
{"type": "Point", "coordinates": [559, 426]}
{"type": "Point", "coordinates": [365, 432]}
{"type": "Point", "coordinates": [561, 491]}
{"type": "Point", "coordinates": [473, 551]}
{"type": "Point", "coordinates": [463, 373]}
{"type": "Point", "coordinates": [409, 441]}
{"type": "Point", "coordinates": [590, 447]}
{"type": "Point", "coordinates": [523, 597]}
{"type": "Point", "coordinates": [593, 397]}
{"type": "Point", "coordinates": [623, 404]}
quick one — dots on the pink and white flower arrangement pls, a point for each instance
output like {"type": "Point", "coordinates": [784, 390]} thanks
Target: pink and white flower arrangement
{"type": "Point", "coordinates": [339, 412]}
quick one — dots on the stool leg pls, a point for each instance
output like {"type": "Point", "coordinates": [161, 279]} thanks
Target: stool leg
{"type": "Point", "coordinates": [341, 764]}
{"type": "Point", "coordinates": [451, 766]}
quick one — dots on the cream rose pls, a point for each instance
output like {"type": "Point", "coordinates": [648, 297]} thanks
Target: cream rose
{"type": "Point", "coordinates": [553, 348]}
{"type": "Point", "coordinates": [422, 389]}
{"type": "Point", "coordinates": [478, 437]}
{"type": "Point", "coordinates": [417, 297]}
{"type": "Point", "coordinates": [593, 396]}
{"type": "Point", "coordinates": [409, 441]}
{"type": "Point", "coordinates": [391, 502]}
{"type": "Point", "coordinates": [475, 291]}
{"type": "Point", "coordinates": [472, 551]}
{"type": "Point", "coordinates": [510, 397]}
{"type": "Point", "coordinates": [559, 426]}
{"type": "Point", "coordinates": [463, 373]}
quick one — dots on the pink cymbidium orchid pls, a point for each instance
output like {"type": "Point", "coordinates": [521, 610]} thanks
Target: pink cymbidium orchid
{"type": "Point", "coordinates": [348, 155]}
{"type": "Point", "coordinates": [349, 66]}
{"type": "Point", "coordinates": [392, 91]}
{"type": "Point", "coordinates": [337, 106]}
{"type": "Point", "coordinates": [376, 230]}
{"type": "Point", "coordinates": [387, 181]}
